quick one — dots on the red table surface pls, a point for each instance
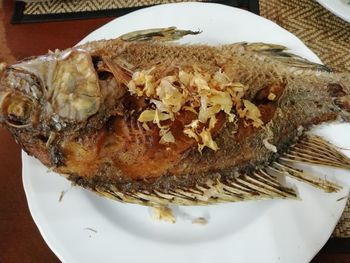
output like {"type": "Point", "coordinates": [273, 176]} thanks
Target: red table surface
{"type": "Point", "coordinates": [20, 240]}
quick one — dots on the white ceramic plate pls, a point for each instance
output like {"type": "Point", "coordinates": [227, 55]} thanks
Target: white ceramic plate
{"type": "Point", "coordinates": [84, 227]}
{"type": "Point", "coordinates": [340, 8]}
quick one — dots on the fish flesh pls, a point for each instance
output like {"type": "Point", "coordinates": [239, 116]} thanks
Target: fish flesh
{"type": "Point", "coordinates": [143, 120]}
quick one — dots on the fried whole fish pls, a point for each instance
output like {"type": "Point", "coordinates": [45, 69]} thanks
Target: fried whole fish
{"type": "Point", "coordinates": [144, 121]}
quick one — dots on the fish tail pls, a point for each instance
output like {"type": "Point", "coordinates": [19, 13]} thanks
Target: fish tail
{"type": "Point", "coordinates": [313, 150]}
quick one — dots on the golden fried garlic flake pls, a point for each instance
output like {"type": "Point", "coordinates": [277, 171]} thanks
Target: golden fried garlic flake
{"type": "Point", "coordinates": [252, 112]}
{"type": "Point", "coordinates": [163, 213]}
{"type": "Point", "coordinates": [199, 92]}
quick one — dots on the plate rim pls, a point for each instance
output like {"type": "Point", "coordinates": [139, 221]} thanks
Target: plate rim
{"type": "Point", "coordinates": [330, 7]}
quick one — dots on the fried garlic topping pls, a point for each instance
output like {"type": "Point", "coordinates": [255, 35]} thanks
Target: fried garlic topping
{"type": "Point", "coordinates": [196, 91]}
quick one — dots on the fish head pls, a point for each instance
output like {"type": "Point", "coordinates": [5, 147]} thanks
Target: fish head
{"type": "Point", "coordinates": [61, 87]}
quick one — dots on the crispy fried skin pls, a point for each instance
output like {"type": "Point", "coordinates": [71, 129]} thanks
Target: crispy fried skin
{"type": "Point", "coordinates": [112, 147]}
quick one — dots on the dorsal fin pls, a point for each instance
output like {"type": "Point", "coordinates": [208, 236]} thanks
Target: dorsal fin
{"type": "Point", "coordinates": [279, 53]}
{"type": "Point", "coordinates": [157, 34]}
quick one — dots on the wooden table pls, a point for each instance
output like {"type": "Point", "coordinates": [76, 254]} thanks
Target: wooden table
{"type": "Point", "coordinates": [20, 240]}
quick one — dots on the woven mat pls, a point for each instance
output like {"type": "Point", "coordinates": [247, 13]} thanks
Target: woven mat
{"type": "Point", "coordinates": [61, 6]}
{"type": "Point", "coordinates": [327, 35]}
{"type": "Point", "coordinates": [60, 10]}
{"type": "Point", "coordinates": [53, 10]}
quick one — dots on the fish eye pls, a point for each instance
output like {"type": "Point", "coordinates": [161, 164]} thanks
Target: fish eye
{"type": "Point", "coordinates": [16, 109]}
